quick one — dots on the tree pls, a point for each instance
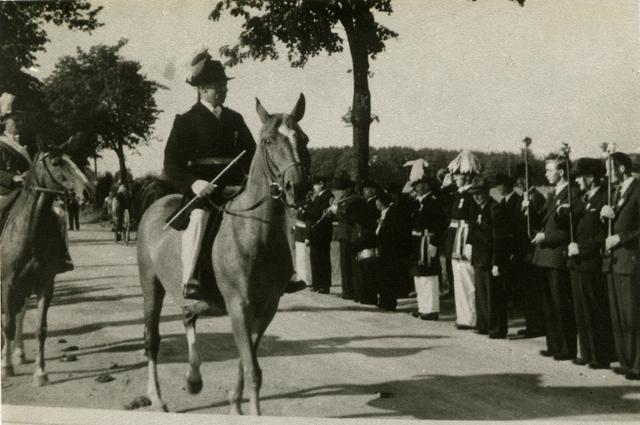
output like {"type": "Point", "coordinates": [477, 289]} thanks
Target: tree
{"type": "Point", "coordinates": [104, 100]}
{"type": "Point", "coordinates": [307, 28]}
{"type": "Point", "coordinates": [23, 35]}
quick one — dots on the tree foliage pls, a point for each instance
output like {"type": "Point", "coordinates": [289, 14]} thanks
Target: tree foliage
{"type": "Point", "coordinates": [103, 99]}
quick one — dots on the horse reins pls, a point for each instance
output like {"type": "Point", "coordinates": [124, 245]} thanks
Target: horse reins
{"type": "Point", "coordinates": [55, 180]}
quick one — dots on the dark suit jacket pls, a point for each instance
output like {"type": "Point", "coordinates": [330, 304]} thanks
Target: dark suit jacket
{"type": "Point", "coordinates": [199, 134]}
{"type": "Point", "coordinates": [552, 253]}
{"type": "Point", "coordinates": [346, 222]}
{"type": "Point", "coordinates": [319, 224]}
{"type": "Point", "coordinates": [12, 163]}
{"type": "Point", "coordinates": [394, 235]}
{"type": "Point", "coordinates": [510, 235]}
{"type": "Point", "coordinates": [462, 205]}
{"type": "Point", "coordinates": [590, 233]}
{"type": "Point", "coordinates": [428, 215]}
{"type": "Point", "coordinates": [482, 236]}
{"type": "Point", "coordinates": [365, 215]}
{"type": "Point", "coordinates": [626, 256]}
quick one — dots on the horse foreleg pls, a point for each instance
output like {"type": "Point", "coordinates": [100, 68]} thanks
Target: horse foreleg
{"type": "Point", "coordinates": [153, 294]}
{"type": "Point", "coordinates": [18, 356]}
{"type": "Point", "coordinates": [241, 314]}
{"type": "Point", "coordinates": [45, 295]}
{"type": "Point", "coordinates": [235, 395]}
{"type": "Point", "coordinates": [8, 332]}
{"type": "Point", "coordinates": [194, 380]}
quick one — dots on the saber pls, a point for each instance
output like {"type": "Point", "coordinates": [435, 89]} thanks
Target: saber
{"type": "Point", "coordinates": [566, 150]}
{"type": "Point", "coordinates": [216, 178]}
{"type": "Point", "coordinates": [527, 142]}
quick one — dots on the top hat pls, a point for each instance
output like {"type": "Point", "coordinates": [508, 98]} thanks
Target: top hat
{"type": "Point", "coordinates": [503, 179]}
{"type": "Point", "coordinates": [589, 166]}
{"type": "Point", "coordinates": [623, 159]}
{"type": "Point", "coordinates": [206, 70]}
{"type": "Point", "coordinates": [8, 106]}
{"type": "Point", "coordinates": [431, 181]}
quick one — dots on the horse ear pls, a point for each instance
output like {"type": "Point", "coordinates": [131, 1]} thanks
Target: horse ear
{"type": "Point", "coordinates": [298, 111]}
{"type": "Point", "coordinates": [262, 113]}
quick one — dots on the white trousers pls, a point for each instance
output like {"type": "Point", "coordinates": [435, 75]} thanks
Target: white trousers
{"type": "Point", "coordinates": [303, 262]}
{"type": "Point", "coordinates": [191, 240]}
{"type": "Point", "coordinates": [427, 294]}
{"type": "Point", "coordinates": [465, 292]}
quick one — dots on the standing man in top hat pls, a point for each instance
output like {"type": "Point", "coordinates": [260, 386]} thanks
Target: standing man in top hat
{"type": "Point", "coordinates": [589, 284]}
{"type": "Point", "coordinates": [320, 232]}
{"type": "Point", "coordinates": [623, 265]}
{"type": "Point", "coordinates": [15, 161]}
{"type": "Point", "coordinates": [551, 255]}
{"type": "Point", "coordinates": [203, 141]}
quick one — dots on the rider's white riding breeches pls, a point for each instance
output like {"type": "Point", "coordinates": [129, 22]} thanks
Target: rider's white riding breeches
{"type": "Point", "coordinates": [191, 239]}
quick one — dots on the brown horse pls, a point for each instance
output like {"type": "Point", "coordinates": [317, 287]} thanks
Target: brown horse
{"type": "Point", "coordinates": [251, 256]}
{"type": "Point", "coordinates": [25, 251]}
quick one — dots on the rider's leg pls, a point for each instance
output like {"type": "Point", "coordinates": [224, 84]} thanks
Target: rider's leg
{"type": "Point", "coordinates": [191, 239]}
{"type": "Point", "coordinates": [294, 284]}
{"type": "Point", "coordinates": [61, 216]}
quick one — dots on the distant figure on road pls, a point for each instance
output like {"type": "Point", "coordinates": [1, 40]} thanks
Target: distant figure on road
{"type": "Point", "coordinates": [73, 211]}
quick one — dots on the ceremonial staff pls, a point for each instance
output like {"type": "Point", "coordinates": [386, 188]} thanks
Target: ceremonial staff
{"type": "Point", "coordinates": [566, 150]}
{"type": "Point", "coordinates": [527, 142]}
{"type": "Point", "coordinates": [179, 213]}
{"type": "Point", "coordinates": [608, 149]}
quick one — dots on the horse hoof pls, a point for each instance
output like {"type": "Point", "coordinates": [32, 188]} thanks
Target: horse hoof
{"type": "Point", "coordinates": [194, 387]}
{"type": "Point", "coordinates": [41, 380]}
{"type": "Point", "coordinates": [18, 358]}
{"type": "Point", "coordinates": [8, 371]}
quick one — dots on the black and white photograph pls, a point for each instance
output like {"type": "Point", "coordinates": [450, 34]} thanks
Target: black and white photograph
{"type": "Point", "coordinates": [319, 211]}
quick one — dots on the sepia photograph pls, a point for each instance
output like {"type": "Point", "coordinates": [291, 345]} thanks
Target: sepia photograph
{"type": "Point", "coordinates": [319, 211]}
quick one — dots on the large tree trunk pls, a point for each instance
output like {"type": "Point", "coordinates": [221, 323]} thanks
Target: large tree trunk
{"type": "Point", "coordinates": [124, 177]}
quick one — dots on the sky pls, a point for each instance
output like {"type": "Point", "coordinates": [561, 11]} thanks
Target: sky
{"type": "Point", "coordinates": [461, 75]}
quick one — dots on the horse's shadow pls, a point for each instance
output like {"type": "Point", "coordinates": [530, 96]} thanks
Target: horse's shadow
{"type": "Point", "coordinates": [471, 397]}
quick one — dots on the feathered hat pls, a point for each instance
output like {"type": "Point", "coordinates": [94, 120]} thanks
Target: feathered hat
{"type": "Point", "coordinates": [206, 70]}
{"type": "Point", "coordinates": [418, 169]}
{"type": "Point", "coordinates": [9, 106]}
{"type": "Point", "coordinates": [465, 163]}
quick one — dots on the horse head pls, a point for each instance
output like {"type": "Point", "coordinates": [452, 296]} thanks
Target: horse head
{"type": "Point", "coordinates": [53, 170]}
{"type": "Point", "coordinates": [283, 146]}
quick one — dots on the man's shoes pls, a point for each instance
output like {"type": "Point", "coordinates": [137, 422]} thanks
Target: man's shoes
{"type": "Point", "coordinates": [631, 376]}
{"type": "Point", "coordinates": [191, 290]}
{"type": "Point", "coordinates": [497, 336]}
{"type": "Point", "coordinates": [314, 289]}
{"type": "Point", "coordinates": [416, 314]}
{"type": "Point", "coordinates": [481, 332]}
{"type": "Point", "coordinates": [618, 370]}
{"type": "Point", "coordinates": [579, 362]}
{"type": "Point", "coordinates": [323, 291]}
{"type": "Point", "coordinates": [545, 353]}
{"type": "Point", "coordinates": [527, 333]}
{"type": "Point", "coordinates": [430, 316]}
{"type": "Point", "coordinates": [596, 365]}
{"type": "Point", "coordinates": [464, 327]}
{"type": "Point", "coordinates": [565, 358]}
{"type": "Point", "coordinates": [295, 286]}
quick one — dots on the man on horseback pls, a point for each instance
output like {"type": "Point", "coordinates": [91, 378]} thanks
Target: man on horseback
{"type": "Point", "coordinates": [202, 142]}
{"type": "Point", "coordinates": [15, 161]}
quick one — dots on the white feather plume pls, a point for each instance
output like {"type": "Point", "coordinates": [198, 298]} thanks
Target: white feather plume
{"type": "Point", "coordinates": [465, 163]}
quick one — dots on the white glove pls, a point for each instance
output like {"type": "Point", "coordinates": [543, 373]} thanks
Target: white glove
{"type": "Point", "coordinates": [202, 188]}
{"type": "Point", "coordinates": [525, 203]}
{"type": "Point", "coordinates": [432, 250]}
{"type": "Point", "coordinates": [466, 252]}
{"type": "Point", "coordinates": [611, 242]}
{"type": "Point", "coordinates": [306, 242]}
{"type": "Point", "coordinates": [17, 178]}
{"type": "Point", "coordinates": [573, 250]}
{"type": "Point", "coordinates": [333, 209]}
{"type": "Point", "coordinates": [495, 271]}
{"type": "Point", "coordinates": [538, 238]}
{"type": "Point", "coordinates": [607, 212]}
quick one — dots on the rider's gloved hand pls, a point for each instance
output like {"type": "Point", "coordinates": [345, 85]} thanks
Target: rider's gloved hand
{"type": "Point", "coordinates": [203, 188]}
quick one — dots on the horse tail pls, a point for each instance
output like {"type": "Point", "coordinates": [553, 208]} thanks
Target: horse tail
{"type": "Point", "coordinates": [148, 190]}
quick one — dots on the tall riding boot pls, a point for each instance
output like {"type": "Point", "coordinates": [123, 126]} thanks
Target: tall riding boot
{"type": "Point", "coordinates": [191, 240]}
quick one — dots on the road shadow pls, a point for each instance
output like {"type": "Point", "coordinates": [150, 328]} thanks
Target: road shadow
{"type": "Point", "coordinates": [473, 397]}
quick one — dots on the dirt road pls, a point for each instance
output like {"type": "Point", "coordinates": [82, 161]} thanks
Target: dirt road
{"type": "Point", "coordinates": [322, 356]}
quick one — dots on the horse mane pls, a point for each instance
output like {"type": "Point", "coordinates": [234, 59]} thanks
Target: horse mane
{"type": "Point", "coordinates": [145, 191]}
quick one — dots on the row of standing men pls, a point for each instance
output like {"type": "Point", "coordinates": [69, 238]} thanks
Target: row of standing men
{"type": "Point", "coordinates": [576, 281]}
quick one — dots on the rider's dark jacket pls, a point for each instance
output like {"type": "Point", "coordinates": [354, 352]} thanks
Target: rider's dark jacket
{"type": "Point", "coordinates": [12, 163]}
{"type": "Point", "coordinates": [201, 145]}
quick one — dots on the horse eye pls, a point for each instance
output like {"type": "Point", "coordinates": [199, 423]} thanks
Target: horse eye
{"type": "Point", "coordinates": [56, 163]}
{"type": "Point", "coordinates": [267, 140]}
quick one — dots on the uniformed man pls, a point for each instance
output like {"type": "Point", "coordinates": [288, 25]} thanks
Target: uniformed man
{"type": "Point", "coordinates": [529, 281]}
{"type": "Point", "coordinates": [463, 169]}
{"type": "Point", "coordinates": [489, 261]}
{"type": "Point", "coordinates": [623, 265]}
{"type": "Point", "coordinates": [320, 231]}
{"type": "Point", "coordinates": [551, 255]}
{"type": "Point", "coordinates": [429, 226]}
{"type": "Point", "coordinates": [366, 216]}
{"type": "Point", "coordinates": [15, 162]}
{"type": "Point", "coordinates": [344, 235]}
{"type": "Point", "coordinates": [202, 142]}
{"type": "Point", "coordinates": [589, 284]}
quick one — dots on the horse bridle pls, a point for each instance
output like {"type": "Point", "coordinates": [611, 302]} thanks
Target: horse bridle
{"type": "Point", "coordinates": [276, 178]}
{"type": "Point", "coordinates": [38, 188]}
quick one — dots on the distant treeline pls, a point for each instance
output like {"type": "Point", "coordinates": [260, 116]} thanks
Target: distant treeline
{"type": "Point", "coordinates": [386, 164]}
